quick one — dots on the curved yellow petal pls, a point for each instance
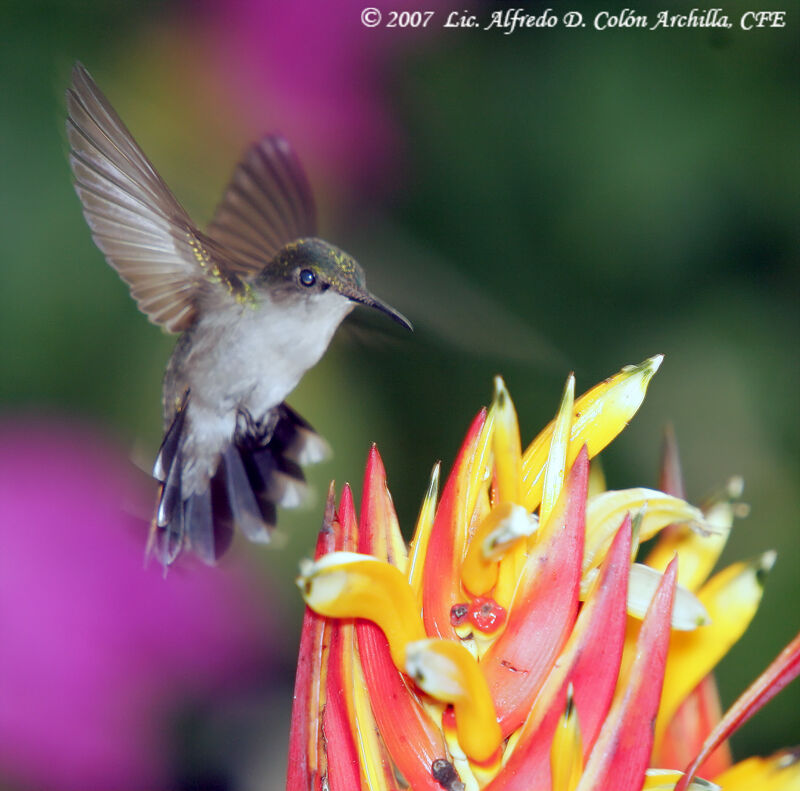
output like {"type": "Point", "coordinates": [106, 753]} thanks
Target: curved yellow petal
{"type": "Point", "coordinates": [688, 612]}
{"type": "Point", "coordinates": [478, 474]}
{"type": "Point", "coordinates": [350, 585]}
{"type": "Point", "coordinates": [697, 552]}
{"type": "Point", "coordinates": [505, 527]}
{"type": "Point", "coordinates": [598, 416]}
{"type": "Point", "coordinates": [448, 672]}
{"type": "Point", "coordinates": [507, 482]}
{"type": "Point", "coordinates": [605, 511]}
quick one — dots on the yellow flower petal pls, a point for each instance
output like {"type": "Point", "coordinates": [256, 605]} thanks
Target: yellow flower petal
{"type": "Point", "coordinates": [604, 513]}
{"type": "Point", "coordinates": [555, 467]}
{"type": "Point", "coordinates": [665, 780]}
{"type": "Point", "coordinates": [350, 585]}
{"type": "Point", "coordinates": [598, 416]}
{"type": "Point", "coordinates": [419, 544]}
{"type": "Point", "coordinates": [504, 528]}
{"type": "Point", "coordinates": [688, 612]}
{"type": "Point", "coordinates": [566, 751]}
{"type": "Point", "coordinates": [779, 772]}
{"type": "Point", "coordinates": [597, 478]}
{"type": "Point", "coordinates": [478, 474]}
{"type": "Point", "coordinates": [697, 552]}
{"type": "Point", "coordinates": [507, 482]}
{"type": "Point", "coordinates": [506, 443]}
{"type": "Point", "coordinates": [373, 764]}
{"type": "Point", "coordinates": [448, 672]}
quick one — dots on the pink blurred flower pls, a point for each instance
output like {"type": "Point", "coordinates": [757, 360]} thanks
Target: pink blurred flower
{"type": "Point", "coordinates": [95, 650]}
{"type": "Point", "coordinates": [315, 72]}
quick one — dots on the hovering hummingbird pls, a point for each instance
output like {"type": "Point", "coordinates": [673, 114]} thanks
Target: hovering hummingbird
{"type": "Point", "coordinates": [256, 297]}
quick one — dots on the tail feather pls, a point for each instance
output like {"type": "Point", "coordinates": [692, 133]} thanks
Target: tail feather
{"type": "Point", "coordinates": [297, 440]}
{"type": "Point", "coordinates": [169, 518]}
{"type": "Point", "coordinates": [170, 538]}
{"type": "Point", "coordinates": [279, 479]}
{"type": "Point", "coordinates": [257, 472]}
{"type": "Point", "coordinates": [245, 509]}
{"type": "Point", "coordinates": [222, 514]}
{"type": "Point", "coordinates": [199, 518]}
{"type": "Point", "coordinates": [171, 442]}
{"type": "Point", "coordinates": [170, 499]}
{"type": "Point", "coordinates": [257, 480]}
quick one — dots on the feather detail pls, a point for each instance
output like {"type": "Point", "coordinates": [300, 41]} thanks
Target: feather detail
{"type": "Point", "coordinates": [257, 472]}
{"type": "Point", "coordinates": [136, 221]}
{"type": "Point", "coordinates": [267, 204]}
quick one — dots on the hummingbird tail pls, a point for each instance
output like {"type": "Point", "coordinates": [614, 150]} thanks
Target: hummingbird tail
{"type": "Point", "coordinates": [258, 471]}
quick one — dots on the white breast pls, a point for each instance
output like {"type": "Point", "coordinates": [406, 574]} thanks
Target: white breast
{"type": "Point", "coordinates": [249, 358]}
{"type": "Point", "coordinates": [260, 354]}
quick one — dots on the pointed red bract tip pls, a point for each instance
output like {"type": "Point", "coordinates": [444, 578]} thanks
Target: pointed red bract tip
{"type": "Point", "coordinates": [375, 462]}
{"type": "Point", "coordinates": [346, 516]}
{"type": "Point", "coordinates": [379, 531]}
{"type": "Point", "coordinates": [326, 539]}
{"type": "Point", "coordinates": [671, 476]}
{"type": "Point", "coordinates": [373, 506]}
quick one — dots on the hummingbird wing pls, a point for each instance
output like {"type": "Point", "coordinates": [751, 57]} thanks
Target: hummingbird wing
{"type": "Point", "coordinates": [267, 204]}
{"type": "Point", "coordinates": [135, 220]}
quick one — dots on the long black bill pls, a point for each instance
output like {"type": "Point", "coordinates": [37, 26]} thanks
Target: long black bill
{"type": "Point", "coordinates": [373, 302]}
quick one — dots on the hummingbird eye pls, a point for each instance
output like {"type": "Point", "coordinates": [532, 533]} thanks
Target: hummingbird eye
{"type": "Point", "coordinates": [307, 277]}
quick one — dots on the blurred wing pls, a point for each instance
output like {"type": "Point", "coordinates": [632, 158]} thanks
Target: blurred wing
{"type": "Point", "coordinates": [267, 204]}
{"type": "Point", "coordinates": [135, 220]}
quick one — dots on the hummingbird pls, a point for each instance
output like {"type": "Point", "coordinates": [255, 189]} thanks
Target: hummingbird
{"type": "Point", "coordinates": [256, 298]}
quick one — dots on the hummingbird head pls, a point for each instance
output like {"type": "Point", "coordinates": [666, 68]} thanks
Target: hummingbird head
{"type": "Point", "coordinates": [309, 268]}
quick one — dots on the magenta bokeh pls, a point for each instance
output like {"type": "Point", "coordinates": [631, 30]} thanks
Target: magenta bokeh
{"type": "Point", "coordinates": [95, 650]}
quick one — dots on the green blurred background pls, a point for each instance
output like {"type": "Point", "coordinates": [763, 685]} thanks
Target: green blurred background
{"type": "Point", "coordinates": [548, 201]}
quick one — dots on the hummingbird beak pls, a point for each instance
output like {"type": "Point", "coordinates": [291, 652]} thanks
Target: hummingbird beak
{"type": "Point", "coordinates": [371, 301]}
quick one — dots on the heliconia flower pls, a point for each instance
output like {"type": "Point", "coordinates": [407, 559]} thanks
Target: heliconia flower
{"type": "Point", "coordinates": [514, 645]}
